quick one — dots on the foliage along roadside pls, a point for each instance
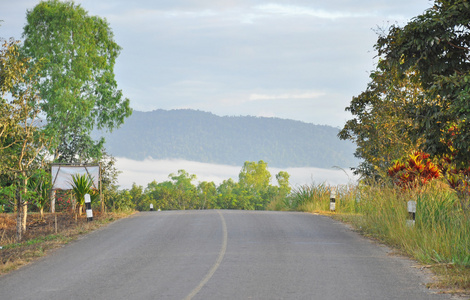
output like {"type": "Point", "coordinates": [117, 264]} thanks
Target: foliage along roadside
{"type": "Point", "coordinates": [417, 98]}
{"type": "Point", "coordinates": [411, 123]}
{"type": "Point", "coordinates": [63, 72]}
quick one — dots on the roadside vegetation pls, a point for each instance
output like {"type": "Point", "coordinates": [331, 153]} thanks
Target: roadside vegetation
{"type": "Point", "coordinates": [410, 127]}
{"type": "Point", "coordinates": [439, 240]}
{"type": "Point", "coordinates": [56, 86]}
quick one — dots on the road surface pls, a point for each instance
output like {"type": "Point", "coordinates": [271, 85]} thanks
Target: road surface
{"type": "Point", "coordinates": [220, 255]}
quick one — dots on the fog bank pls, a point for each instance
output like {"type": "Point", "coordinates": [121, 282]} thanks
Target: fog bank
{"type": "Point", "coordinates": [144, 172]}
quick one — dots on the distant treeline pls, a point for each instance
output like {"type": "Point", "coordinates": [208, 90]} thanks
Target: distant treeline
{"type": "Point", "coordinates": [253, 191]}
{"type": "Point", "coordinates": [205, 137]}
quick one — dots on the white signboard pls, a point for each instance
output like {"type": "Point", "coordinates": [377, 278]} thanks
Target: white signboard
{"type": "Point", "coordinates": [62, 175]}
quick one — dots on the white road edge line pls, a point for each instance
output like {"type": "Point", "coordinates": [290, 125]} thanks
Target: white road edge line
{"type": "Point", "coordinates": [217, 263]}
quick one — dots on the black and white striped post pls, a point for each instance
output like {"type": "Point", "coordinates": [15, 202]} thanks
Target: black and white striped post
{"type": "Point", "coordinates": [411, 213]}
{"type": "Point", "coordinates": [89, 212]}
{"type": "Point", "coordinates": [151, 207]}
{"type": "Point", "coordinates": [332, 199]}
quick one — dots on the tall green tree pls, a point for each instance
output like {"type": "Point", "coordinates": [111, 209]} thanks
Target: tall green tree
{"type": "Point", "coordinates": [382, 120]}
{"type": "Point", "coordinates": [185, 191]}
{"type": "Point", "coordinates": [254, 181]}
{"type": "Point", "coordinates": [227, 198]}
{"type": "Point", "coordinates": [437, 45]}
{"type": "Point", "coordinates": [207, 194]}
{"type": "Point", "coordinates": [77, 81]}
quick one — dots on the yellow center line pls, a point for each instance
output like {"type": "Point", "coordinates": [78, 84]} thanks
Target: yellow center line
{"type": "Point", "coordinates": [217, 263]}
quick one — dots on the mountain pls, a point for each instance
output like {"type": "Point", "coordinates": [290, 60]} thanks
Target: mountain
{"type": "Point", "coordinates": [204, 137]}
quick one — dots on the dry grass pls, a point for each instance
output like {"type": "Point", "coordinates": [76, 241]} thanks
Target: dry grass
{"type": "Point", "coordinates": [41, 236]}
{"type": "Point", "coordinates": [452, 278]}
{"type": "Point", "coordinates": [440, 239]}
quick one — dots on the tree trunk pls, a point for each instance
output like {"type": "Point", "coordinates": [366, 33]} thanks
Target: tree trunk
{"type": "Point", "coordinates": [18, 225]}
{"type": "Point", "coordinates": [25, 215]}
{"type": "Point", "coordinates": [24, 204]}
{"type": "Point", "coordinates": [18, 217]}
{"type": "Point", "coordinates": [41, 212]}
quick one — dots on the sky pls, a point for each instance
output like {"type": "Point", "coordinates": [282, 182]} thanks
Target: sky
{"type": "Point", "coordinates": [293, 59]}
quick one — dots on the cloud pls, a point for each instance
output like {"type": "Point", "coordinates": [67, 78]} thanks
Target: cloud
{"type": "Point", "coordinates": [298, 59]}
{"type": "Point", "coordinates": [294, 11]}
{"type": "Point", "coordinates": [306, 95]}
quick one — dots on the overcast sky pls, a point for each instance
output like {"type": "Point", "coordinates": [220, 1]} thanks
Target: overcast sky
{"type": "Point", "coordinates": [298, 59]}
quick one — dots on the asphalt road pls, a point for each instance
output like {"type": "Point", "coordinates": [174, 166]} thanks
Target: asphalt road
{"type": "Point", "coordinates": [220, 255]}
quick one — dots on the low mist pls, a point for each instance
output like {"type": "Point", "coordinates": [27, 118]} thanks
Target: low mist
{"type": "Point", "coordinates": [146, 171]}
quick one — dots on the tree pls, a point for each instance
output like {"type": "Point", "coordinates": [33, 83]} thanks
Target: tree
{"type": "Point", "coordinates": [120, 200]}
{"type": "Point", "coordinates": [227, 198]}
{"type": "Point", "coordinates": [77, 81]}
{"type": "Point", "coordinates": [254, 181]}
{"type": "Point", "coordinates": [207, 194]}
{"type": "Point", "coordinates": [283, 182]}
{"type": "Point", "coordinates": [137, 196]}
{"type": "Point", "coordinates": [162, 195]}
{"type": "Point", "coordinates": [436, 44]}
{"type": "Point", "coordinates": [383, 119]}
{"type": "Point", "coordinates": [22, 141]}
{"type": "Point", "coordinates": [184, 190]}
{"type": "Point", "coordinates": [109, 177]}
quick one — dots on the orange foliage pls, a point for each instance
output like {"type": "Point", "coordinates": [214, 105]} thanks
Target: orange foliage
{"type": "Point", "coordinates": [416, 170]}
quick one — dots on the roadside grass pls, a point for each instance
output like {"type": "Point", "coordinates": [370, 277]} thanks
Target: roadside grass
{"type": "Point", "coordinates": [439, 240]}
{"type": "Point", "coordinates": [41, 236]}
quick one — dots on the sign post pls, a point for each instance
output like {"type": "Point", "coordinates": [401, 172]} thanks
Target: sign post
{"type": "Point", "coordinates": [411, 213]}
{"type": "Point", "coordinates": [332, 199]}
{"type": "Point", "coordinates": [89, 211]}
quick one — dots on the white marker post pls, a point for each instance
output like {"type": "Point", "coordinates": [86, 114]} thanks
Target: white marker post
{"type": "Point", "coordinates": [151, 207]}
{"type": "Point", "coordinates": [411, 213]}
{"type": "Point", "coordinates": [332, 199]}
{"type": "Point", "coordinates": [89, 212]}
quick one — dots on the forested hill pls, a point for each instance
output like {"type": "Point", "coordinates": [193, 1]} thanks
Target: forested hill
{"type": "Point", "coordinates": [205, 137]}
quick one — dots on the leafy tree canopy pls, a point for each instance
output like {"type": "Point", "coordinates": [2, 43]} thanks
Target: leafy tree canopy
{"type": "Point", "coordinates": [383, 119]}
{"type": "Point", "coordinates": [436, 44]}
{"type": "Point", "coordinates": [77, 80]}
{"type": "Point", "coordinates": [255, 176]}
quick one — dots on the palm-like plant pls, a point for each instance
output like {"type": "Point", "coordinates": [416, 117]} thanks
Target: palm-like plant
{"type": "Point", "coordinates": [82, 185]}
{"type": "Point", "coordinates": [40, 185]}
